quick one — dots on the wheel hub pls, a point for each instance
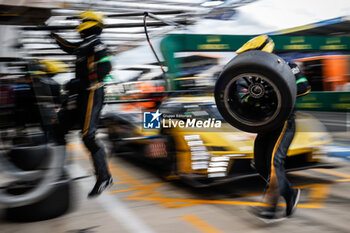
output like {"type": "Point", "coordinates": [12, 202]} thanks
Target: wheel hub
{"type": "Point", "coordinates": [256, 90]}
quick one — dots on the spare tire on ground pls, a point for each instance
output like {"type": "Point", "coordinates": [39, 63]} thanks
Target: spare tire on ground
{"type": "Point", "coordinates": [28, 157]}
{"type": "Point", "coordinates": [55, 204]}
{"type": "Point", "coordinates": [256, 91]}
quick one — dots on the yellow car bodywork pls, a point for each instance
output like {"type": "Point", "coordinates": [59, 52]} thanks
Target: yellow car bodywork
{"type": "Point", "coordinates": [225, 153]}
{"type": "Point", "coordinates": [227, 145]}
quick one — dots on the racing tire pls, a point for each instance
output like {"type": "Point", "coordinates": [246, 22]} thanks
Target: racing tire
{"type": "Point", "coordinates": [256, 91]}
{"type": "Point", "coordinates": [28, 158]}
{"type": "Point", "coordinates": [57, 203]}
{"type": "Point", "coordinates": [38, 139]}
{"type": "Point", "coordinates": [29, 140]}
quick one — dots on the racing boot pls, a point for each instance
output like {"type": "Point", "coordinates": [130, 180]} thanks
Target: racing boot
{"type": "Point", "coordinates": [103, 178]}
{"type": "Point", "coordinates": [268, 214]}
{"type": "Point", "coordinates": [100, 186]}
{"type": "Point", "coordinates": [292, 203]}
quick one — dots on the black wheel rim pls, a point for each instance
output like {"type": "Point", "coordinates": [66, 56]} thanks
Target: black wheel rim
{"type": "Point", "coordinates": [252, 99]}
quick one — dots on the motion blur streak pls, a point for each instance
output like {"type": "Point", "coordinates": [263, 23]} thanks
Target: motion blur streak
{"type": "Point", "coordinates": [148, 193]}
{"type": "Point", "coordinates": [333, 173]}
{"type": "Point", "coordinates": [116, 208]}
{"type": "Point", "coordinates": [319, 193]}
{"type": "Point", "coordinates": [144, 189]}
{"type": "Point", "coordinates": [200, 224]}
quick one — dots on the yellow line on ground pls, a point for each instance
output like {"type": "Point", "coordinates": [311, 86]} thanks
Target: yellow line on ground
{"type": "Point", "coordinates": [318, 194]}
{"type": "Point", "coordinates": [340, 181]}
{"type": "Point", "coordinates": [121, 182]}
{"type": "Point", "coordinates": [143, 189]}
{"type": "Point", "coordinates": [148, 193]}
{"type": "Point", "coordinates": [121, 174]}
{"type": "Point", "coordinates": [76, 146]}
{"type": "Point", "coordinates": [183, 205]}
{"type": "Point", "coordinates": [80, 157]}
{"type": "Point", "coordinates": [122, 190]}
{"type": "Point", "coordinates": [309, 206]}
{"type": "Point", "coordinates": [159, 200]}
{"type": "Point", "coordinates": [307, 186]}
{"type": "Point", "coordinates": [338, 174]}
{"type": "Point", "coordinates": [333, 173]}
{"type": "Point", "coordinates": [200, 224]}
{"type": "Point", "coordinates": [318, 191]}
{"type": "Point", "coordinates": [196, 201]}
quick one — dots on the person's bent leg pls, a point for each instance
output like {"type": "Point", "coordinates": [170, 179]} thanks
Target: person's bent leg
{"type": "Point", "coordinates": [266, 167]}
{"type": "Point", "coordinates": [260, 158]}
{"type": "Point", "coordinates": [91, 119]}
{"type": "Point", "coordinates": [98, 156]}
{"type": "Point", "coordinates": [263, 150]}
{"type": "Point", "coordinates": [290, 195]}
{"type": "Point", "coordinates": [275, 176]}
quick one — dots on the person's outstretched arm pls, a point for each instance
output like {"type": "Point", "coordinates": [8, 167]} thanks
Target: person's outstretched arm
{"type": "Point", "coordinates": [303, 87]}
{"type": "Point", "coordinates": [65, 45]}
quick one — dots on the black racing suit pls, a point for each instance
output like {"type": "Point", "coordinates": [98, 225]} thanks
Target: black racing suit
{"type": "Point", "coordinates": [270, 150]}
{"type": "Point", "coordinates": [92, 65]}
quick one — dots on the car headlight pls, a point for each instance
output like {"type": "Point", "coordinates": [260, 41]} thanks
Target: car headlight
{"type": "Point", "coordinates": [199, 153]}
{"type": "Point", "coordinates": [201, 159]}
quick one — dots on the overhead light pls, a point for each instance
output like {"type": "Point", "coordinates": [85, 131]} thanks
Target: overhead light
{"type": "Point", "coordinates": [211, 3]}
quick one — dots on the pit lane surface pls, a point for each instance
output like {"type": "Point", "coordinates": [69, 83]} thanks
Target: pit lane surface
{"type": "Point", "coordinates": [333, 121]}
{"type": "Point", "coordinates": [140, 201]}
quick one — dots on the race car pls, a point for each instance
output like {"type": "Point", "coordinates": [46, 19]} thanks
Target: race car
{"type": "Point", "coordinates": [203, 155]}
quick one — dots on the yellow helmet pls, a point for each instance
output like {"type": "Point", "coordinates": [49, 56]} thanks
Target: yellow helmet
{"type": "Point", "coordinates": [53, 66]}
{"type": "Point", "coordinates": [90, 19]}
{"type": "Point", "coordinates": [262, 42]}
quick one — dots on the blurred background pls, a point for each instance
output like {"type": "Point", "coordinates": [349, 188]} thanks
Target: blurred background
{"type": "Point", "coordinates": [169, 179]}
